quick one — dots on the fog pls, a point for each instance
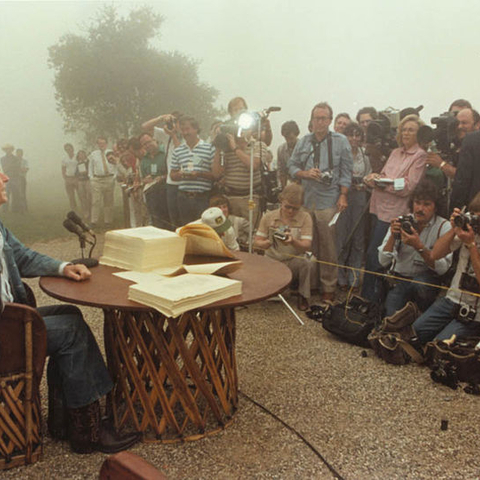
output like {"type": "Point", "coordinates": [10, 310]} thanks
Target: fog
{"type": "Point", "coordinates": [273, 52]}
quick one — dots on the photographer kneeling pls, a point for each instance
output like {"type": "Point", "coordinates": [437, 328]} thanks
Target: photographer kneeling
{"type": "Point", "coordinates": [458, 312]}
{"type": "Point", "coordinates": [407, 250]}
{"type": "Point", "coordinates": [286, 234]}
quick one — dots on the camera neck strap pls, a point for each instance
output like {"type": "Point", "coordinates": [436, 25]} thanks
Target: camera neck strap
{"type": "Point", "coordinates": [316, 151]}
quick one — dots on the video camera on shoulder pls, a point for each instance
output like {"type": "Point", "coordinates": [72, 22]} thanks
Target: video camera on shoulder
{"type": "Point", "coordinates": [467, 218]}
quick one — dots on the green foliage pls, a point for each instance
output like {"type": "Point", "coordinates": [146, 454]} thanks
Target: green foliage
{"type": "Point", "coordinates": [111, 79]}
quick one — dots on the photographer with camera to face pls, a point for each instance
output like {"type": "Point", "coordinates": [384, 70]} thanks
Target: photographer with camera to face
{"type": "Point", "coordinates": [286, 234]}
{"type": "Point", "coordinates": [458, 312]}
{"type": "Point", "coordinates": [407, 250]}
{"type": "Point", "coordinates": [322, 160]}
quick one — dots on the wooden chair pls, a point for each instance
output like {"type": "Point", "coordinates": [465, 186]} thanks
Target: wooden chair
{"type": "Point", "coordinates": [23, 348]}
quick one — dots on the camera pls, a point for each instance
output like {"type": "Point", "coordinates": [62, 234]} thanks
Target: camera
{"type": "Point", "coordinates": [467, 218]}
{"type": "Point", "coordinates": [464, 313]}
{"type": "Point", "coordinates": [408, 223]}
{"type": "Point", "coordinates": [469, 283]}
{"type": "Point", "coordinates": [221, 140]}
{"type": "Point", "coordinates": [169, 124]}
{"type": "Point", "coordinates": [381, 132]}
{"type": "Point", "coordinates": [445, 132]}
{"type": "Point", "coordinates": [281, 233]}
{"type": "Point", "coordinates": [446, 373]}
{"type": "Point", "coordinates": [326, 178]}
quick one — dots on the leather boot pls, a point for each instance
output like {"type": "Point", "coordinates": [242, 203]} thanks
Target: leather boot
{"type": "Point", "coordinates": [88, 433]}
{"type": "Point", "coordinates": [57, 421]}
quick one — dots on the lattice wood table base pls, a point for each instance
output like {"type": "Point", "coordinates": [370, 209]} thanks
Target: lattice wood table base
{"type": "Point", "coordinates": [175, 379]}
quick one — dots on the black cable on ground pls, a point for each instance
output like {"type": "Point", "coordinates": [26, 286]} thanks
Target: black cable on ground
{"type": "Point", "coordinates": [299, 435]}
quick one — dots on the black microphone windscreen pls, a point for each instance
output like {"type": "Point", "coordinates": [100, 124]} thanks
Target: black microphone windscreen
{"type": "Point", "coordinates": [76, 219]}
{"type": "Point", "coordinates": [274, 109]}
{"type": "Point", "coordinates": [73, 227]}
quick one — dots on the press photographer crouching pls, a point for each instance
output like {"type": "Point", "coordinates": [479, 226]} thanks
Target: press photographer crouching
{"type": "Point", "coordinates": [286, 234]}
{"type": "Point", "coordinates": [459, 311]}
{"type": "Point", "coordinates": [407, 251]}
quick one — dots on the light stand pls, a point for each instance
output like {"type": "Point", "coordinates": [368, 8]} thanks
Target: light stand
{"type": "Point", "coordinates": [251, 203]}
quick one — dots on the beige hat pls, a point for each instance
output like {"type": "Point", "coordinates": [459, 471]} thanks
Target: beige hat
{"type": "Point", "coordinates": [214, 217]}
{"type": "Point", "coordinates": [8, 146]}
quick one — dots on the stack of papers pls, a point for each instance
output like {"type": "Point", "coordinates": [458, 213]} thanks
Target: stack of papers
{"type": "Point", "coordinates": [173, 296]}
{"type": "Point", "coordinates": [143, 249]}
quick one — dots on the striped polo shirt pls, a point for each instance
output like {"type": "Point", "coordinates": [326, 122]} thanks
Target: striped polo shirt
{"type": "Point", "coordinates": [199, 159]}
{"type": "Point", "coordinates": [237, 174]}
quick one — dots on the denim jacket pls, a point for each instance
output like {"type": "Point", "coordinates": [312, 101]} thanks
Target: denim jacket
{"type": "Point", "coordinates": [23, 262]}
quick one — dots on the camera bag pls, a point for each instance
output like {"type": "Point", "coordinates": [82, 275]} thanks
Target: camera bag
{"type": "Point", "coordinates": [455, 361]}
{"type": "Point", "coordinates": [352, 320]}
{"type": "Point", "coordinates": [394, 338]}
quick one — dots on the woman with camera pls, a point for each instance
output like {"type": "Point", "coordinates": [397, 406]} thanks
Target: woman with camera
{"type": "Point", "coordinates": [350, 229]}
{"type": "Point", "coordinates": [391, 190]}
{"type": "Point", "coordinates": [286, 234]}
{"type": "Point", "coordinates": [459, 311]}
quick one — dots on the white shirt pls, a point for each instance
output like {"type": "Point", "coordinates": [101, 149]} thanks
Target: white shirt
{"type": "Point", "coordinates": [164, 138]}
{"type": "Point", "coordinates": [95, 167]}
{"type": "Point", "coordinates": [70, 165]}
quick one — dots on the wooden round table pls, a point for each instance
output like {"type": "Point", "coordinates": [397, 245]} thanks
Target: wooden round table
{"type": "Point", "coordinates": [174, 379]}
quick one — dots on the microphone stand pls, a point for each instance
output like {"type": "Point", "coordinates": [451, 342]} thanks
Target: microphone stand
{"type": "Point", "coordinates": [89, 262]}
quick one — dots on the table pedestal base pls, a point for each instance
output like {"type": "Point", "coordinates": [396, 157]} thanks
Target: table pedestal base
{"type": "Point", "coordinates": [175, 378]}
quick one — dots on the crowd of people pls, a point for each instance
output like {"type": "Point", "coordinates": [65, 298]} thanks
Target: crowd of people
{"type": "Point", "coordinates": [343, 194]}
{"type": "Point", "coordinates": [347, 203]}
{"type": "Point", "coordinates": [16, 167]}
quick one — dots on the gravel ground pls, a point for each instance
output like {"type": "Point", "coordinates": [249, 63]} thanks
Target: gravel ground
{"type": "Point", "coordinates": [366, 419]}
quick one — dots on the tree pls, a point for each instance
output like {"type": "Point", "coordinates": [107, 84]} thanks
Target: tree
{"type": "Point", "coordinates": [111, 79]}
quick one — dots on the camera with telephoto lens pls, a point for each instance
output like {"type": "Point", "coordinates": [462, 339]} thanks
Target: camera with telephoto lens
{"type": "Point", "coordinates": [408, 223]}
{"type": "Point", "coordinates": [445, 133]}
{"type": "Point", "coordinates": [467, 218]}
{"type": "Point", "coordinates": [281, 233]}
{"type": "Point", "coordinates": [464, 313]}
{"type": "Point", "coordinates": [469, 283]}
{"type": "Point", "coordinates": [326, 178]}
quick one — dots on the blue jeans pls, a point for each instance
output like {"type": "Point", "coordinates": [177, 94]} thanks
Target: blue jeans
{"type": "Point", "coordinates": [372, 288]}
{"type": "Point", "coordinates": [404, 291]}
{"type": "Point", "coordinates": [76, 364]}
{"type": "Point", "coordinates": [438, 322]}
{"type": "Point", "coordinates": [351, 255]}
{"type": "Point", "coordinates": [191, 208]}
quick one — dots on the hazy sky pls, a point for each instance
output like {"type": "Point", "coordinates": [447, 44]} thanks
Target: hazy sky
{"type": "Point", "coordinates": [272, 52]}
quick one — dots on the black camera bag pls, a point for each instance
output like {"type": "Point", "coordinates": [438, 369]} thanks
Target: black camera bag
{"type": "Point", "coordinates": [455, 361]}
{"type": "Point", "coordinates": [351, 323]}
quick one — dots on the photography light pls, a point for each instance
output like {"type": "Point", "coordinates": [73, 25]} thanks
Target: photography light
{"type": "Point", "coordinates": [247, 120]}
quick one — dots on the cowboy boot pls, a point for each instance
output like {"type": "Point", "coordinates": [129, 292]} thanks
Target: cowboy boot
{"type": "Point", "coordinates": [88, 433]}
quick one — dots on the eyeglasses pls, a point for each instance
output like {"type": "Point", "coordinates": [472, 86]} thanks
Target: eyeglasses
{"type": "Point", "coordinates": [291, 207]}
{"type": "Point", "coordinates": [409, 130]}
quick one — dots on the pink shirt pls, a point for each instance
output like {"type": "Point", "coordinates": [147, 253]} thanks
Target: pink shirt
{"type": "Point", "coordinates": [387, 203]}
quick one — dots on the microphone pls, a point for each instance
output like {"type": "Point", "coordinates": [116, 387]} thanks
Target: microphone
{"type": "Point", "coordinates": [78, 221]}
{"type": "Point", "coordinates": [273, 109]}
{"type": "Point", "coordinates": [74, 228]}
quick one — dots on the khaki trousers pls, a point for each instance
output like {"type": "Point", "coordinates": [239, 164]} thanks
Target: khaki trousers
{"type": "Point", "coordinates": [102, 196]}
{"type": "Point", "coordinates": [301, 271]}
{"type": "Point", "coordinates": [239, 207]}
{"type": "Point", "coordinates": [326, 250]}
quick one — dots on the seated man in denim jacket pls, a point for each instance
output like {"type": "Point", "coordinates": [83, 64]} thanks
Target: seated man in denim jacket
{"type": "Point", "coordinates": [76, 365]}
